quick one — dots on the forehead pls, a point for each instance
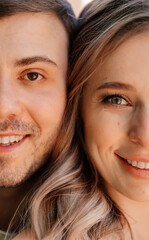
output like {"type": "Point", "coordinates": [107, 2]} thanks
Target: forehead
{"type": "Point", "coordinates": [33, 34]}
{"type": "Point", "coordinates": [129, 62]}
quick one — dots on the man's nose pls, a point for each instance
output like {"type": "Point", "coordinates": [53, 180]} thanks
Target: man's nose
{"type": "Point", "coordinates": [10, 105]}
{"type": "Point", "coordinates": [139, 129]}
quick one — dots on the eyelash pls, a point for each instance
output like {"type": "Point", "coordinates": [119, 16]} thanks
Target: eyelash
{"type": "Point", "coordinates": [106, 97]}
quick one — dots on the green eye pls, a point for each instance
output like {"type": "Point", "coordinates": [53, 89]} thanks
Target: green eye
{"type": "Point", "coordinates": [115, 100]}
{"type": "Point", "coordinates": [33, 76]}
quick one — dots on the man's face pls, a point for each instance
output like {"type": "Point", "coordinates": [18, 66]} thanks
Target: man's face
{"type": "Point", "coordinates": [33, 68]}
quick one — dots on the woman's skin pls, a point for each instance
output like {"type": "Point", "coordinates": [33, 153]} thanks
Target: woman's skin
{"type": "Point", "coordinates": [115, 112]}
{"type": "Point", "coordinates": [25, 235]}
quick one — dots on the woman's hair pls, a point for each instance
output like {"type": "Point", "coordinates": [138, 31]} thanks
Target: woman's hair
{"type": "Point", "coordinates": [72, 203]}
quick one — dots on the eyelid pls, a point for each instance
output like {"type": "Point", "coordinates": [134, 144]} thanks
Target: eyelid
{"type": "Point", "coordinates": [112, 95]}
{"type": "Point", "coordinates": [39, 76]}
{"type": "Point", "coordinates": [32, 70]}
{"type": "Point", "coordinates": [114, 104]}
{"type": "Point", "coordinates": [115, 96]}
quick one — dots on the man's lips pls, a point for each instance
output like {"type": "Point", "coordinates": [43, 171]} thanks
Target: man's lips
{"type": "Point", "coordinates": [7, 140]}
{"type": "Point", "coordinates": [137, 162]}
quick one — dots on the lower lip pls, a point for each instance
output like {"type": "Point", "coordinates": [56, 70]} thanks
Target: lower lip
{"type": "Point", "coordinates": [13, 146]}
{"type": "Point", "coordinates": [135, 172]}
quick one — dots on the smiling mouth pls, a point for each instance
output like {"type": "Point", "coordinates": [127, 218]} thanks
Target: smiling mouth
{"type": "Point", "coordinates": [136, 164]}
{"type": "Point", "coordinates": [10, 140]}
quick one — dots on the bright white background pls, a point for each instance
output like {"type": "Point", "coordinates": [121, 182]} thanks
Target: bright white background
{"type": "Point", "coordinates": [85, 1]}
{"type": "Point", "coordinates": [78, 5]}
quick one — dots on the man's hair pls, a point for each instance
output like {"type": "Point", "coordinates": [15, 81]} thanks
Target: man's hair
{"type": "Point", "coordinates": [61, 8]}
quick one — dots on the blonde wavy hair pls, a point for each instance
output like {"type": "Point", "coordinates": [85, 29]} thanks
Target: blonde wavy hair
{"type": "Point", "coordinates": [72, 203]}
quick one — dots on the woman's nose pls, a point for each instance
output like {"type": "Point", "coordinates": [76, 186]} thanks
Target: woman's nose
{"type": "Point", "coordinates": [139, 130]}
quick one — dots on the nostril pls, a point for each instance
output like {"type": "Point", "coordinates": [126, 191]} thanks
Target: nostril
{"type": "Point", "coordinates": [11, 116]}
{"type": "Point", "coordinates": [134, 137]}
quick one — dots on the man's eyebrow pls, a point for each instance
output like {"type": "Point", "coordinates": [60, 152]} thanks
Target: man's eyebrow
{"type": "Point", "coordinates": [116, 85]}
{"type": "Point", "coordinates": [29, 60]}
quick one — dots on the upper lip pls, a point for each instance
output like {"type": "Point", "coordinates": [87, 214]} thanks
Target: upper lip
{"type": "Point", "coordinates": [12, 134]}
{"type": "Point", "coordinates": [139, 158]}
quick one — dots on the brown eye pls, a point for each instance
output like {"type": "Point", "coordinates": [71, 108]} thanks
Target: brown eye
{"type": "Point", "coordinates": [33, 76]}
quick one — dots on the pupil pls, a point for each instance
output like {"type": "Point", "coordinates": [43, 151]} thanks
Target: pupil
{"type": "Point", "coordinates": [116, 101]}
{"type": "Point", "coordinates": [32, 76]}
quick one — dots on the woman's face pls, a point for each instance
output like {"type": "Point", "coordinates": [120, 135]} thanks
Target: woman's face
{"type": "Point", "coordinates": [115, 112]}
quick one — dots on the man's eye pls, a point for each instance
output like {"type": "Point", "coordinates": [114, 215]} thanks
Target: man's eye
{"type": "Point", "coordinates": [33, 76]}
{"type": "Point", "coordinates": [115, 100]}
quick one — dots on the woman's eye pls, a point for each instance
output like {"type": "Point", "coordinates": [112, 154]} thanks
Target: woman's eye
{"type": "Point", "coordinates": [115, 100]}
{"type": "Point", "coordinates": [33, 76]}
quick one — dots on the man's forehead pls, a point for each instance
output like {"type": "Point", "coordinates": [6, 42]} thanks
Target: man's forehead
{"type": "Point", "coordinates": [35, 18]}
{"type": "Point", "coordinates": [26, 38]}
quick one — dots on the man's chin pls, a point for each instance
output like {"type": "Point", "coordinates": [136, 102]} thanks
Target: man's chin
{"type": "Point", "coordinates": [12, 183]}
{"type": "Point", "coordinates": [15, 179]}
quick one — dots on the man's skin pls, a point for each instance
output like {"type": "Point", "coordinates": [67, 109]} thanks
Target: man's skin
{"type": "Point", "coordinates": [33, 69]}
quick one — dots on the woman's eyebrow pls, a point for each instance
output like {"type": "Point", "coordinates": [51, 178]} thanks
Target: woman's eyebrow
{"type": "Point", "coordinates": [33, 59]}
{"type": "Point", "coordinates": [116, 85]}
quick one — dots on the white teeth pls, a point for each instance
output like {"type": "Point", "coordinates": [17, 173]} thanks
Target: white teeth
{"type": "Point", "coordinates": [12, 139]}
{"type": "Point", "coordinates": [147, 165]}
{"type": "Point", "coordinates": [17, 138]}
{"type": "Point", "coordinates": [134, 163]}
{"type": "Point", "coordinates": [141, 165]}
{"type": "Point", "coordinates": [7, 140]}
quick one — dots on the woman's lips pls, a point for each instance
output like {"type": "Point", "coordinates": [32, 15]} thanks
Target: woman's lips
{"type": "Point", "coordinates": [138, 167]}
{"type": "Point", "coordinates": [138, 164]}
